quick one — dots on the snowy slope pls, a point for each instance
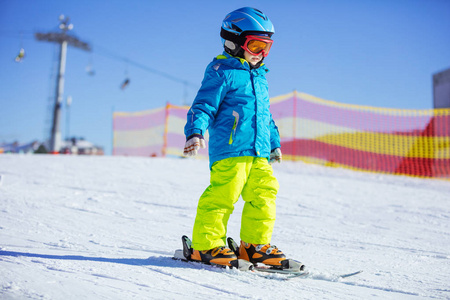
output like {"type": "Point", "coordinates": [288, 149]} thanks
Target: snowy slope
{"type": "Point", "coordinates": [106, 227]}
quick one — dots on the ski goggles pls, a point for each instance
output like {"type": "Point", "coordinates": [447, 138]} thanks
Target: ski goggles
{"type": "Point", "coordinates": [255, 44]}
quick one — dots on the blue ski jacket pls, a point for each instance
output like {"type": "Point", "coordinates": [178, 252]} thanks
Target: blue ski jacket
{"type": "Point", "coordinates": [233, 105]}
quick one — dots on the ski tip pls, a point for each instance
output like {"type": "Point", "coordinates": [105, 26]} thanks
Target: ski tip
{"type": "Point", "coordinates": [351, 274]}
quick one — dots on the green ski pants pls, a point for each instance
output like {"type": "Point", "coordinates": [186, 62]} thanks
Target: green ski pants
{"type": "Point", "coordinates": [251, 177]}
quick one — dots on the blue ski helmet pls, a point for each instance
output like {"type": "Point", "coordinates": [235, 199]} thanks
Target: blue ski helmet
{"type": "Point", "coordinates": [240, 23]}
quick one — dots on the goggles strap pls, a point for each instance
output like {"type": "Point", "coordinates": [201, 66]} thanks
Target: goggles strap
{"type": "Point", "coordinates": [232, 37]}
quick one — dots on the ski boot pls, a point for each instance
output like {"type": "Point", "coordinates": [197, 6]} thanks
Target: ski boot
{"type": "Point", "coordinates": [266, 254]}
{"type": "Point", "coordinates": [218, 256]}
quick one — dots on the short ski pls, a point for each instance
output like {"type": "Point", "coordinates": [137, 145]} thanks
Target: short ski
{"type": "Point", "coordinates": [246, 266]}
{"type": "Point", "coordinates": [294, 269]}
{"type": "Point", "coordinates": [242, 265]}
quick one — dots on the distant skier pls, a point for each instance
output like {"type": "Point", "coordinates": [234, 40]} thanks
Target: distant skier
{"type": "Point", "coordinates": [233, 105]}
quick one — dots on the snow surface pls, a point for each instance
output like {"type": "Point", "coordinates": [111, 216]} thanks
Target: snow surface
{"type": "Point", "coordinates": [77, 227]}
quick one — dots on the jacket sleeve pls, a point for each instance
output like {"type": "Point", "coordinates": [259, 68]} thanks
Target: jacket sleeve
{"type": "Point", "coordinates": [206, 104]}
{"type": "Point", "coordinates": [274, 135]}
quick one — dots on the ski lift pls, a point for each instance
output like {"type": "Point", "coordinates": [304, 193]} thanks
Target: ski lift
{"type": "Point", "coordinates": [20, 56]}
{"type": "Point", "coordinates": [89, 68]}
{"type": "Point", "coordinates": [125, 83]}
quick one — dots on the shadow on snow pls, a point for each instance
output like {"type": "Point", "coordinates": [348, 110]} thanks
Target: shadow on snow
{"type": "Point", "coordinates": [159, 261]}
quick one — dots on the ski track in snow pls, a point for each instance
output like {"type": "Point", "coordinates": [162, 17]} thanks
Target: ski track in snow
{"type": "Point", "coordinates": [106, 228]}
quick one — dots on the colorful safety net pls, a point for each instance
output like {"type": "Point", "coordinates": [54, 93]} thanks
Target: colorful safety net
{"type": "Point", "coordinates": [396, 141]}
{"type": "Point", "coordinates": [313, 130]}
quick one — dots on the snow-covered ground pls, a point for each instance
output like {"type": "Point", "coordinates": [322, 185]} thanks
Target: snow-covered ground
{"type": "Point", "coordinates": [106, 228]}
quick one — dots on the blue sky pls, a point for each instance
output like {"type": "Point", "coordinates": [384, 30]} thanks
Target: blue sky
{"type": "Point", "coordinates": [379, 53]}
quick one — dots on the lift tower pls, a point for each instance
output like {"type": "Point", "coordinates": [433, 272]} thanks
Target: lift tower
{"type": "Point", "coordinates": [63, 38]}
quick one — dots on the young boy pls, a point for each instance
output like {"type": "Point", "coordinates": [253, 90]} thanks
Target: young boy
{"type": "Point", "coordinates": [233, 104]}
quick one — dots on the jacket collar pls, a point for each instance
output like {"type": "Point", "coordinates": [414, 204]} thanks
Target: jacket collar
{"type": "Point", "coordinates": [240, 63]}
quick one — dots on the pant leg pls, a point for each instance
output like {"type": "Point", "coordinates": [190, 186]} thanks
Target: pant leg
{"type": "Point", "coordinates": [216, 204]}
{"type": "Point", "coordinates": [259, 194]}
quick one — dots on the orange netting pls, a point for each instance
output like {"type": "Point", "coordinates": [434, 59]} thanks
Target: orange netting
{"type": "Point", "coordinates": [396, 141]}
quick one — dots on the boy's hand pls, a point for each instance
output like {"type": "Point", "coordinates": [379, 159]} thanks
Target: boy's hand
{"type": "Point", "coordinates": [275, 155]}
{"type": "Point", "coordinates": [193, 144]}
